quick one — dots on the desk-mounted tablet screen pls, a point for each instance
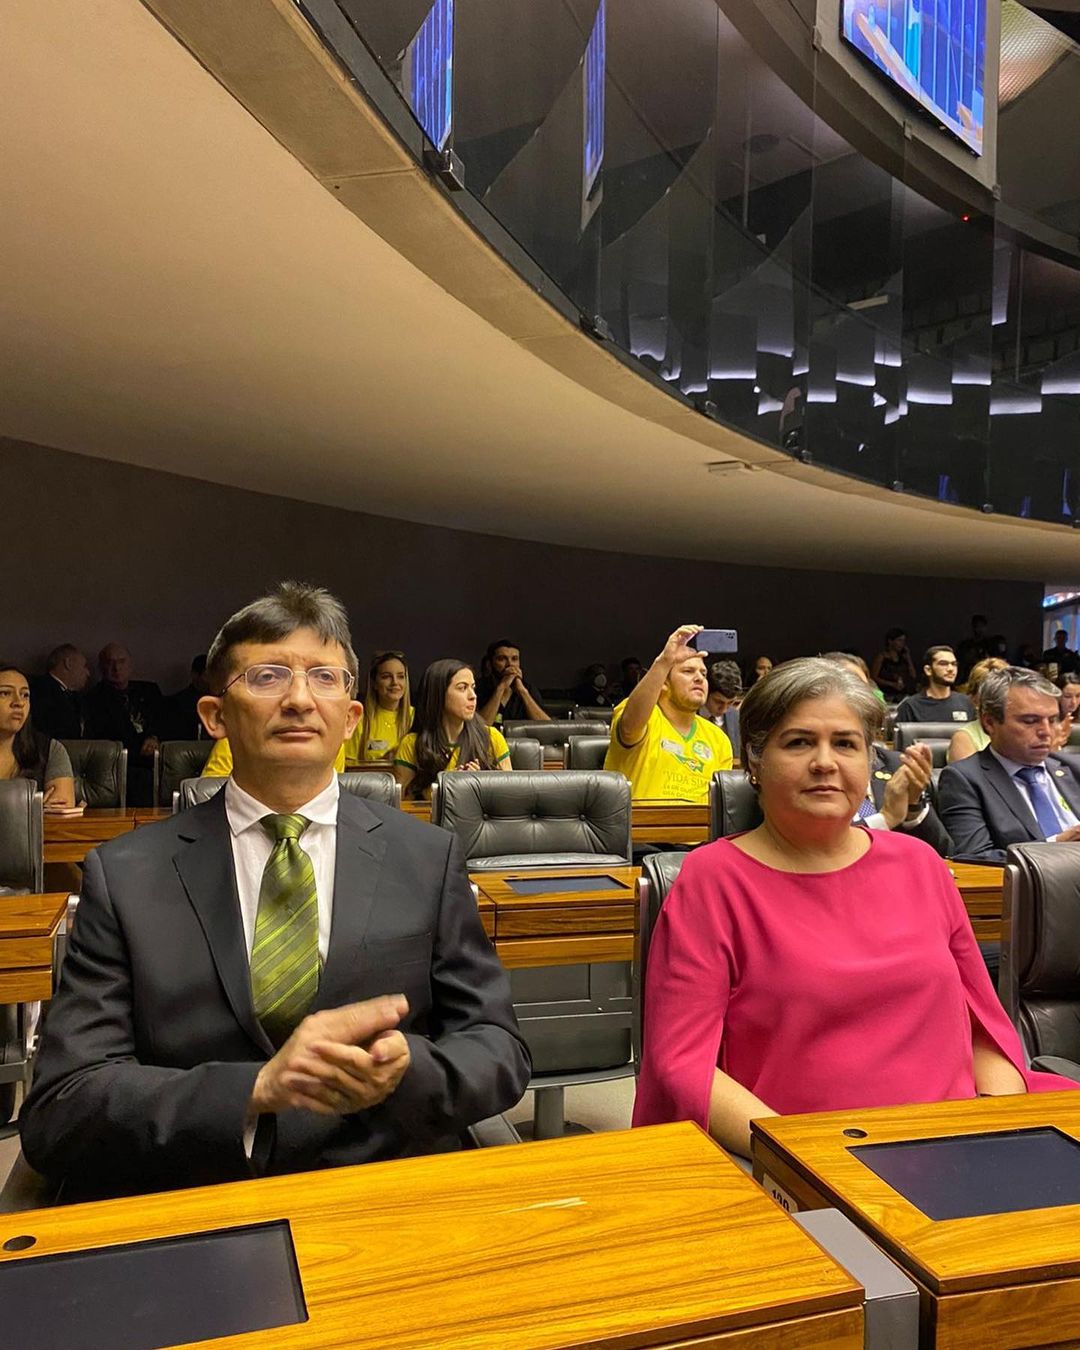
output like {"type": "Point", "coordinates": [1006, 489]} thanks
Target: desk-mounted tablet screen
{"type": "Point", "coordinates": [972, 1174]}
{"type": "Point", "coordinates": [145, 1295]}
{"type": "Point", "coordinates": [554, 885]}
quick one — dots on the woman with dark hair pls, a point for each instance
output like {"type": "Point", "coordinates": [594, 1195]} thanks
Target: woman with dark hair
{"type": "Point", "coordinates": [811, 964]}
{"type": "Point", "coordinates": [893, 670]}
{"type": "Point", "coordinates": [26, 753]}
{"type": "Point", "coordinates": [388, 714]}
{"type": "Point", "coordinates": [446, 734]}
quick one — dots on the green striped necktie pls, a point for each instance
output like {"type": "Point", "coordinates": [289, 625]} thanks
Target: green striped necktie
{"type": "Point", "coordinates": [285, 953]}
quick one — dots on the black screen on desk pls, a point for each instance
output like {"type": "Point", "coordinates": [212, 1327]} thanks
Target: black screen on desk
{"type": "Point", "coordinates": [145, 1295]}
{"type": "Point", "coordinates": [540, 885]}
{"type": "Point", "coordinates": [971, 1174]}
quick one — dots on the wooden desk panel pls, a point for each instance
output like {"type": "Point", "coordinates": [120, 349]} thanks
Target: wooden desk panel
{"type": "Point", "coordinates": [645, 1238]}
{"type": "Point", "coordinates": [996, 1280]}
{"type": "Point", "coordinates": [70, 838]}
{"type": "Point", "coordinates": [669, 823]}
{"type": "Point", "coordinates": [981, 888]}
{"type": "Point", "coordinates": [28, 927]}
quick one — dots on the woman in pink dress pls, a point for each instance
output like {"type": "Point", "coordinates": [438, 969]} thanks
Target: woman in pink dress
{"type": "Point", "coordinates": [808, 965]}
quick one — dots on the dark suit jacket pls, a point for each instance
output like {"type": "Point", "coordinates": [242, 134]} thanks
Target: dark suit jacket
{"type": "Point", "coordinates": [54, 710]}
{"type": "Point", "coordinates": [930, 830]}
{"type": "Point", "coordinates": [109, 713]}
{"type": "Point", "coordinates": [984, 810]}
{"type": "Point", "coordinates": [151, 1047]}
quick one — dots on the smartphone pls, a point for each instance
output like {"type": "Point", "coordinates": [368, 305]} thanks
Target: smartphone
{"type": "Point", "coordinates": [716, 641]}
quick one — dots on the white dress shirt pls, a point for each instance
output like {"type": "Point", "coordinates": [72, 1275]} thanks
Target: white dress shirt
{"type": "Point", "coordinates": [1066, 817]}
{"type": "Point", "coordinates": [252, 846]}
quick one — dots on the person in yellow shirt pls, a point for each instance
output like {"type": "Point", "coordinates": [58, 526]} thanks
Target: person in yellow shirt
{"type": "Point", "coordinates": [388, 714]}
{"type": "Point", "coordinates": [658, 740]}
{"type": "Point", "coordinates": [448, 734]}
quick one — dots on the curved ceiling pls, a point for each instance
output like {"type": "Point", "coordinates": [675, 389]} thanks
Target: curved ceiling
{"type": "Point", "coordinates": [181, 293]}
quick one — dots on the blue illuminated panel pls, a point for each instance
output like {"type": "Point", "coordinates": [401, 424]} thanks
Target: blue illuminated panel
{"type": "Point", "coordinates": [595, 70]}
{"type": "Point", "coordinates": [429, 73]}
{"type": "Point", "coordinates": [934, 50]}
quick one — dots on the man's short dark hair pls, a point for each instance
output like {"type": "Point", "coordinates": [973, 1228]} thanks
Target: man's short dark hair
{"type": "Point", "coordinates": [289, 606]}
{"type": "Point", "coordinates": [725, 679]}
{"type": "Point", "coordinates": [994, 690]}
{"type": "Point", "coordinates": [931, 652]}
{"type": "Point", "coordinates": [60, 654]}
{"type": "Point", "coordinates": [198, 664]}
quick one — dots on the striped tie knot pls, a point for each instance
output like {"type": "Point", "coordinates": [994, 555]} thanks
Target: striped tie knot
{"type": "Point", "coordinates": [285, 828]}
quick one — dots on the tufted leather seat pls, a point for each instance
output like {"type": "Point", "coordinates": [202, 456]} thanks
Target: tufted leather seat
{"type": "Point", "coordinates": [1040, 957]}
{"type": "Point", "coordinates": [100, 769]}
{"type": "Point", "coordinates": [907, 733]}
{"type": "Point", "coordinates": [179, 760]}
{"type": "Point", "coordinates": [525, 753]}
{"type": "Point", "coordinates": [21, 836]}
{"type": "Point", "coordinates": [587, 752]}
{"type": "Point", "coordinates": [536, 819]}
{"type": "Point", "coordinates": [659, 872]}
{"type": "Point", "coordinates": [584, 714]}
{"type": "Point", "coordinates": [733, 804]}
{"type": "Point", "coordinates": [553, 735]}
{"type": "Point", "coordinates": [379, 786]}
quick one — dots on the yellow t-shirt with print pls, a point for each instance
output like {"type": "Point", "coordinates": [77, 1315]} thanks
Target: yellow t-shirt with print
{"type": "Point", "coordinates": [219, 765]}
{"type": "Point", "coordinates": [382, 739]}
{"type": "Point", "coordinates": [405, 755]}
{"type": "Point", "coordinates": [665, 765]}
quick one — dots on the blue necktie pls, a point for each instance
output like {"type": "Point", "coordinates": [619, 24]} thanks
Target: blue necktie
{"type": "Point", "coordinates": [1044, 811]}
{"type": "Point", "coordinates": [866, 808]}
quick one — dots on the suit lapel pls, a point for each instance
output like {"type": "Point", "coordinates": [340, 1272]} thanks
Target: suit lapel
{"type": "Point", "coordinates": [204, 862]}
{"type": "Point", "coordinates": [358, 863]}
{"type": "Point", "coordinates": [1067, 783]}
{"type": "Point", "coordinates": [1009, 793]}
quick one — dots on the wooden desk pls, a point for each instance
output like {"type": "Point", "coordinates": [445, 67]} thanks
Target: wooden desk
{"type": "Point", "coordinates": [987, 1283]}
{"type": "Point", "coordinates": [645, 1238]}
{"type": "Point", "coordinates": [28, 927]}
{"type": "Point", "coordinates": [669, 822]}
{"type": "Point", "coordinates": [421, 810]}
{"type": "Point", "coordinates": [561, 928]}
{"type": "Point", "coordinates": [981, 888]}
{"type": "Point", "coordinates": [70, 838]}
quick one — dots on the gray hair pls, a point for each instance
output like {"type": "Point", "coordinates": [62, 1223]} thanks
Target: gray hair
{"type": "Point", "coordinates": [289, 606]}
{"type": "Point", "coordinates": [772, 698]}
{"type": "Point", "coordinates": [994, 690]}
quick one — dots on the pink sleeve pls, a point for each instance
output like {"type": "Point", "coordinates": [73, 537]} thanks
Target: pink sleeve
{"type": "Point", "coordinates": [983, 1003]}
{"type": "Point", "coordinates": [688, 981]}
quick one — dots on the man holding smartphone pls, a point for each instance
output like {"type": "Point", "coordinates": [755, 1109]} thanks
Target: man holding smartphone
{"type": "Point", "coordinates": [658, 739]}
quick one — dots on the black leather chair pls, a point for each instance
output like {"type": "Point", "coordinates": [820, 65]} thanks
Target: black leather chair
{"type": "Point", "coordinates": [380, 787]}
{"type": "Point", "coordinates": [100, 769]}
{"type": "Point", "coordinates": [658, 874]}
{"type": "Point", "coordinates": [889, 725]}
{"type": "Point", "coordinates": [525, 753]}
{"type": "Point", "coordinates": [1039, 982]}
{"type": "Point", "coordinates": [535, 819]}
{"type": "Point", "coordinates": [733, 804]}
{"type": "Point", "coordinates": [576, 1019]}
{"type": "Point", "coordinates": [553, 735]}
{"type": "Point", "coordinates": [584, 714]}
{"type": "Point", "coordinates": [176, 761]}
{"type": "Point", "coordinates": [907, 733]}
{"type": "Point", "coordinates": [587, 752]}
{"type": "Point", "coordinates": [22, 837]}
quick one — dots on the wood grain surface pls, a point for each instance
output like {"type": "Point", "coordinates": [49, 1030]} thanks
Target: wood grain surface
{"type": "Point", "coordinates": [28, 927]}
{"type": "Point", "coordinates": [669, 822]}
{"type": "Point", "coordinates": [981, 888]}
{"type": "Point", "coordinates": [642, 1238]}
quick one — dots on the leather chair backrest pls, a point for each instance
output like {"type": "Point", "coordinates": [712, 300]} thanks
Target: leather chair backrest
{"type": "Point", "coordinates": [22, 859]}
{"type": "Point", "coordinates": [536, 819]}
{"type": "Point", "coordinates": [1040, 953]}
{"type": "Point", "coordinates": [1074, 736]}
{"type": "Point", "coordinates": [733, 804]}
{"type": "Point", "coordinates": [379, 787]}
{"type": "Point", "coordinates": [525, 753]}
{"type": "Point", "coordinates": [376, 787]}
{"type": "Point", "coordinates": [553, 733]}
{"type": "Point", "coordinates": [587, 752]}
{"type": "Point", "coordinates": [658, 874]}
{"type": "Point", "coordinates": [907, 733]}
{"type": "Point", "coordinates": [180, 760]}
{"type": "Point", "coordinates": [100, 769]}
{"type": "Point", "coordinates": [888, 727]}
{"type": "Point", "coordinates": [583, 714]}
{"type": "Point", "coordinates": [939, 749]}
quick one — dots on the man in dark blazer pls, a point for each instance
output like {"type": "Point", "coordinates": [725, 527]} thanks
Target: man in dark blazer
{"type": "Point", "coordinates": [1015, 791]}
{"type": "Point", "coordinates": [156, 1072]}
{"type": "Point", "coordinates": [56, 705]}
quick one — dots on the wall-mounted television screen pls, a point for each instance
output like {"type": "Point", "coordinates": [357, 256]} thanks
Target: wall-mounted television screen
{"type": "Point", "coordinates": [934, 50]}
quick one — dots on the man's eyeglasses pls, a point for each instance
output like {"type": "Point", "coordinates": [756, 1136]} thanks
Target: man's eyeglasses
{"type": "Point", "coordinates": [275, 681]}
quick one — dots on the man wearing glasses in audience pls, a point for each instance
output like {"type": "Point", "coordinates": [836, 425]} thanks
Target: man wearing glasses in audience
{"type": "Point", "coordinates": [284, 977]}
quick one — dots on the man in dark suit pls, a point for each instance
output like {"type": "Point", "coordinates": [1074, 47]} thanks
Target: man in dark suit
{"type": "Point", "coordinates": [282, 978]}
{"type": "Point", "coordinates": [56, 707]}
{"type": "Point", "coordinates": [127, 710]}
{"type": "Point", "coordinates": [1015, 791]}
